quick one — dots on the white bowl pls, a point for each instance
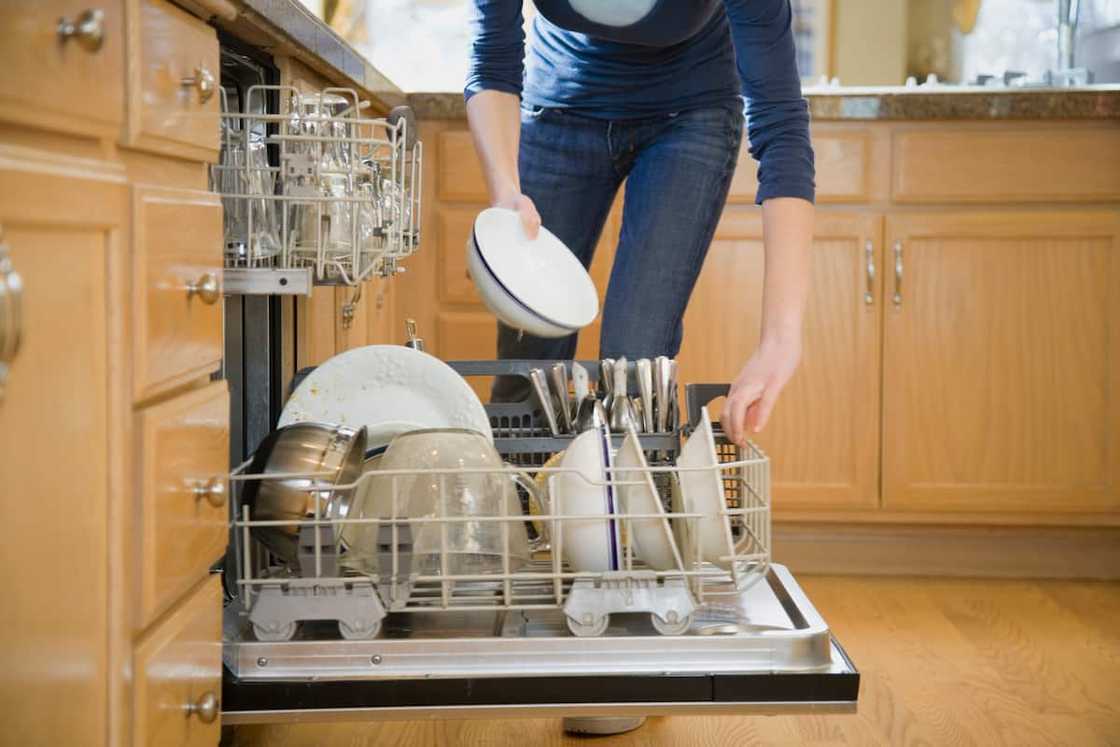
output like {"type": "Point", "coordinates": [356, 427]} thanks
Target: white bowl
{"type": "Point", "coordinates": [589, 545]}
{"type": "Point", "coordinates": [540, 274]}
{"type": "Point", "coordinates": [505, 307]}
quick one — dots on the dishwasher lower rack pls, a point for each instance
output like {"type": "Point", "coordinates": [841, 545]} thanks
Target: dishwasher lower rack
{"type": "Point", "coordinates": [357, 570]}
{"type": "Point", "coordinates": [768, 652]}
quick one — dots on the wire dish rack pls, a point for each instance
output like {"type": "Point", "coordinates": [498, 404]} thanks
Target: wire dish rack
{"type": "Point", "coordinates": [410, 565]}
{"type": "Point", "coordinates": [310, 184]}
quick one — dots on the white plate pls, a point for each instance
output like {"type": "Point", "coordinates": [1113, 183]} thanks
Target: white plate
{"type": "Point", "coordinates": [390, 389]}
{"type": "Point", "coordinates": [703, 493]}
{"type": "Point", "coordinates": [589, 545]}
{"type": "Point", "coordinates": [542, 274]}
{"type": "Point", "coordinates": [651, 537]}
{"type": "Point", "coordinates": [503, 305]}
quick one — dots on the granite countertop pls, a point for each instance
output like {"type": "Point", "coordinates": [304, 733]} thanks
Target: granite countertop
{"type": "Point", "coordinates": [889, 103]}
{"type": "Point", "coordinates": [288, 24]}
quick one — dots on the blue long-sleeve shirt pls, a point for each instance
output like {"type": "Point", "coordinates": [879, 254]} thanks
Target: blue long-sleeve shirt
{"type": "Point", "coordinates": [623, 59]}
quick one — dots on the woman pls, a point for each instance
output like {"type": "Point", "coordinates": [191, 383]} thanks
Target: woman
{"type": "Point", "coordinates": [650, 92]}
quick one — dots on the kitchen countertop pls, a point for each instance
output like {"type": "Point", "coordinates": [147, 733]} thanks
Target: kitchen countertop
{"type": "Point", "coordinates": [288, 25]}
{"type": "Point", "coordinates": [898, 103]}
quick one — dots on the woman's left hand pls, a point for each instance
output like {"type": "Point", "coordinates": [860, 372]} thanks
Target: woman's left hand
{"type": "Point", "coordinates": [756, 388]}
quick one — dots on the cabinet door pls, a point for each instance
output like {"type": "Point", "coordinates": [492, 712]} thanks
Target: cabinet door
{"type": "Point", "coordinates": [178, 671]}
{"type": "Point", "coordinates": [824, 433]}
{"type": "Point", "coordinates": [1002, 362]}
{"type": "Point", "coordinates": [68, 83]}
{"type": "Point", "coordinates": [56, 442]}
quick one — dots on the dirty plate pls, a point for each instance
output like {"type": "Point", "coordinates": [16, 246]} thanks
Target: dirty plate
{"type": "Point", "coordinates": [390, 390]}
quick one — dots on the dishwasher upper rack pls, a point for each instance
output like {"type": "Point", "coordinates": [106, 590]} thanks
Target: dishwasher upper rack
{"type": "Point", "coordinates": [317, 187]}
{"type": "Point", "coordinates": [275, 599]}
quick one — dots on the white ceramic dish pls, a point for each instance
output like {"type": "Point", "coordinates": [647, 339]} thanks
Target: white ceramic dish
{"type": "Point", "coordinates": [390, 389]}
{"type": "Point", "coordinates": [651, 537]}
{"type": "Point", "coordinates": [541, 274]}
{"type": "Point", "coordinates": [703, 493]}
{"type": "Point", "coordinates": [589, 545]}
{"type": "Point", "coordinates": [502, 305]}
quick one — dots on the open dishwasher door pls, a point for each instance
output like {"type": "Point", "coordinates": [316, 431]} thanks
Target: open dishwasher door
{"type": "Point", "coordinates": [321, 645]}
{"type": "Point", "coordinates": [773, 654]}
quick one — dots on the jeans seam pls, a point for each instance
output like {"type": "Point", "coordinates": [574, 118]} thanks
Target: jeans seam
{"type": "Point", "coordinates": [712, 219]}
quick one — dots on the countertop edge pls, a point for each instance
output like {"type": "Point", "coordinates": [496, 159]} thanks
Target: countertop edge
{"type": "Point", "coordinates": [887, 105]}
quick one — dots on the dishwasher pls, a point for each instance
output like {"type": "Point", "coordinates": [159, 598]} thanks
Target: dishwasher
{"type": "Point", "coordinates": [413, 642]}
{"type": "Point", "coordinates": [315, 640]}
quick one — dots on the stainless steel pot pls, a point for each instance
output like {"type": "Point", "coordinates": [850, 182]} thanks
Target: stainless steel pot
{"type": "Point", "coordinates": [333, 452]}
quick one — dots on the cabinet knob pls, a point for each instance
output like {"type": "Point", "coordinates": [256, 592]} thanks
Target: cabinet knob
{"type": "Point", "coordinates": [202, 81]}
{"type": "Point", "coordinates": [205, 708]}
{"type": "Point", "coordinates": [207, 288]}
{"type": "Point", "coordinates": [88, 30]}
{"type": "Point", "coordinates": [11, 313]}
{"type": "Point", "coordinates": [213, 491]}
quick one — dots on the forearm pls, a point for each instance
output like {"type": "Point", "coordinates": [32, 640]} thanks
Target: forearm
{"type": "Point", "coordinates": [495, 124]}
{"type": "Point", "coordinates": [787, 230]}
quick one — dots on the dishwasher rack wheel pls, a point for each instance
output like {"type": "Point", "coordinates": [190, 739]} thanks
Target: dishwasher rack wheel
{"type": "Point", "coordinates": [675, 625]}
{"type": "Point", "coordinates": [590, 604]}
{"type": "Point", "coordinates": [589, 626]}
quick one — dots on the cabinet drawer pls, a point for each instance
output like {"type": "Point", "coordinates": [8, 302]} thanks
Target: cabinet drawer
{"type": "Point", "coordinates": [177, 303]}
{"type": "Point", "coordinates": [67, 83]}
{"type": "Point", "coordinates": [178, 674]}
{"type": "Point", "coordinates": [184, 450]}
{"type": "Point", "coordinates": [173, 83]}
{"type": "Point", "coordinates": [1060, 164]}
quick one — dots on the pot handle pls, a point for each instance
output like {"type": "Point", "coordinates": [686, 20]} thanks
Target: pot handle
{"type": "Point", "coordinates": [526, 483]}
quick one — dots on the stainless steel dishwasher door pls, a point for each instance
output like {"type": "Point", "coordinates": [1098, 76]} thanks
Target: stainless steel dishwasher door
{"type": "Point", "coordinates": [769, 653]}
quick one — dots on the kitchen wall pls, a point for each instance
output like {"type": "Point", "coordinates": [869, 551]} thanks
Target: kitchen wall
{"type": "Point", "coordinates": [869, 42]}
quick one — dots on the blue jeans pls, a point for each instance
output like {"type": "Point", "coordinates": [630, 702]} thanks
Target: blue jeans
{"type": "Point", "coordinates": [677, 168]}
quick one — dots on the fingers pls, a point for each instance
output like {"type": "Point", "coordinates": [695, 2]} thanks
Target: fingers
{"type": "Point", "coordinates": [530, 218]}
{"type": "Point", "coordinates": [758, 415]}
{"type": "Point", "coordinates": [735, 409]}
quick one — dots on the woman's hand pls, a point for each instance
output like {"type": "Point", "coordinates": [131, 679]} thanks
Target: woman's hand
{"type": "Point", "coordinates": [756, 388]}
{"type": "Point", "coordinates": [530, 218]}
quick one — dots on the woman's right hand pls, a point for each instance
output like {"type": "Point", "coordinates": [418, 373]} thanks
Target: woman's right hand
{"type": "Point", "coordinates": [530, 218]}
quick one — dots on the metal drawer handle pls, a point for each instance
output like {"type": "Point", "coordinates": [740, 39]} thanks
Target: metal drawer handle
{"type": "Point", "coordinates": [869, 252]}
{"type": "Point", "coordinates": [207, 288]}
{"type": "Point", "coordinates": [11, 313]}
{"type": "Point", "coordinates": [213, 491]}
{"type": "Point", "coordinates": [897, 273]}
{"type": "Point", "coordinates": [203, 80]}
{"type": "Point", "coordinates": [88, 30]}
{"type": "Point", "coordinates": [206, 707]}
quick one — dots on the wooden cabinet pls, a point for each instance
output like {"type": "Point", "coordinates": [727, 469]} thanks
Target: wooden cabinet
{"type": "Point", "coordinates": [1001, 368]}
{"type": "Point", "coordinates": [990, 394]}
{"type": "Point", "coordinates": [173, 98]}
{"type": "Point", "coordinates": [183, 445]}
{"type": "Point", "coordinates": [71, 82]}
{"type": "Point", "coordinates": [826, 425]}
{"type": "Point", "coordinates": [58, 438]}
{"type": "Point", "coordinates": [178, 670]}
{"type": "Point", "coordinates": [176, 287]}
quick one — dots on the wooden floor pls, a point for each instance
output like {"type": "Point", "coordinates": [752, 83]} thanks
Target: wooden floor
{"type": "Point", "coordinates": [943, 662]}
